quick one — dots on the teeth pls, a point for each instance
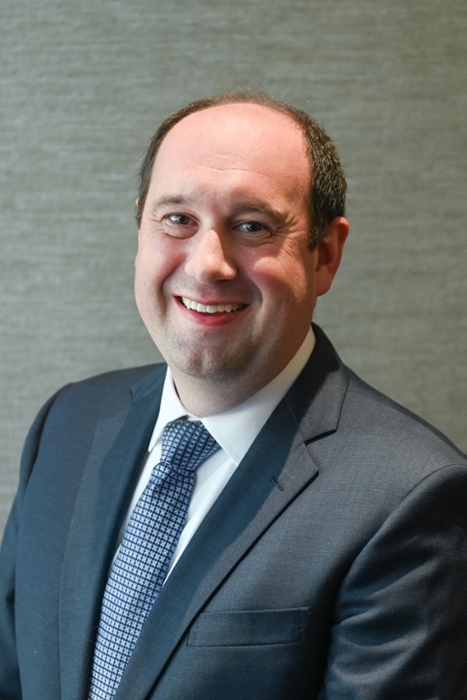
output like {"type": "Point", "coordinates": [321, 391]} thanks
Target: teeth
{"type": "Point", "coordinates": [211, 308]}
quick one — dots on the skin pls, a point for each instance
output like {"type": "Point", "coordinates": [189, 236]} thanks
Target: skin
{"type": "Point", "coordinates": [226, 223]}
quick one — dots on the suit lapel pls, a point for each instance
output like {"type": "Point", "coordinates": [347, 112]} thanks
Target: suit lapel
{"type": "Point", "coordinates": [108, 481]}
{"type": "Point", "coordinates": [276, 469]}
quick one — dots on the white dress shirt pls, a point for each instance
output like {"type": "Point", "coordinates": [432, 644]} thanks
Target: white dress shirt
{"type": "Point", "coordinates": [234, 430]}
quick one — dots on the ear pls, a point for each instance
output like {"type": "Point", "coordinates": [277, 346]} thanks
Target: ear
{"type": "Point", "coordinates": [329, 253]}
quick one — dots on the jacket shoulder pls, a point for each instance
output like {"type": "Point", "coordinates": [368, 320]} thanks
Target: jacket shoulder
{"type": "Point", "coordinates": [76, 408]}
{"type": "Point", "coordinates": [111, 391]}
{"type": "Point", "coordinates": [381, 421]}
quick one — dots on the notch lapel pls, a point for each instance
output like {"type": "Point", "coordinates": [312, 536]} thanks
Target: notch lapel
{"type": "Point", "coordinates": [108, 481]}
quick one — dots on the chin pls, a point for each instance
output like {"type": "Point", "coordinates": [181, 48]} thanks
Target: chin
{"type": "Point", "coordinates": [207, 365]}
{"type": "Point", "coordinates": [205, 369]}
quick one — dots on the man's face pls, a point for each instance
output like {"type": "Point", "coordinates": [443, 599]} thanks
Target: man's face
{"type": "Point", "coordinates": [225, 280]}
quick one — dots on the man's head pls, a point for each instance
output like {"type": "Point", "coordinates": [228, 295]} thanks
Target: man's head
{"type": "Point", "coordinates": [226, 279]}
{"type": "Point", "coordinates": [327, 184]}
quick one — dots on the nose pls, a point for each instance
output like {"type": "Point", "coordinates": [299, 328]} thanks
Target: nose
{"type": "Point", "coordinates": [209, 259]}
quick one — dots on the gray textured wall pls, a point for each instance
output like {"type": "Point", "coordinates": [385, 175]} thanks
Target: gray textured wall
{"type": "Point", "coordinates": [82, 86]}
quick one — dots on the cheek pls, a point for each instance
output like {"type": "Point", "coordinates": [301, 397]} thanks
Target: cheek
{"type": "Point", "coordinates": [153, 264]}
{"type": "Point", "coordinates": [147, 281]}
{"type": "Point", "coordinates": [285, 281]}
{"type": "Point", "coordinates": [142, 277]}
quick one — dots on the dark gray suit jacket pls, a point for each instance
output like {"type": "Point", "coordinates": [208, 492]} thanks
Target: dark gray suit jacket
{"type": "Point", "coordinates": [332, 566]}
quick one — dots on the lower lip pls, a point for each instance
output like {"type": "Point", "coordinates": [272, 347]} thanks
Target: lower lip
{"type": "Point", "coordinates": [215, 319]}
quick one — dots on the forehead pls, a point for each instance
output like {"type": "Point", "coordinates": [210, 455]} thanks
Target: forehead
{"type": "Point", "coordinates": [236, 137]}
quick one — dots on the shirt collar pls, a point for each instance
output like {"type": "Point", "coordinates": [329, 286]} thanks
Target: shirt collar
{"type": "Point", "coordinates": [236, 429]}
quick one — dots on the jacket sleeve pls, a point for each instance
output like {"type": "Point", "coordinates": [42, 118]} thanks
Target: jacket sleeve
{"type": "Point", "coordinates": [10, 682]}
{"type": "Point", "coordinates": [400, 625]}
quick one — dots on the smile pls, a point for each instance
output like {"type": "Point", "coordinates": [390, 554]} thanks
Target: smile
{"type": "Point", "coordinates": [210, 308]}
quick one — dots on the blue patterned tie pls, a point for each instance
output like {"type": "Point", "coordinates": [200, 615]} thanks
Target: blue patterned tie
{"type": "Point", "coordinates": [146, 552]}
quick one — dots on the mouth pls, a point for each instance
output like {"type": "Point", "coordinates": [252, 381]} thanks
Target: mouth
{"type": "Point", "coordinates": [210, 308]}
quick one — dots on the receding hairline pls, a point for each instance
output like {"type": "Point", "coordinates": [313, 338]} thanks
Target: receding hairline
{"type": "Point", "coordinates": [194, 115]}
{"type": "Point", "coordinates": [269, 106]}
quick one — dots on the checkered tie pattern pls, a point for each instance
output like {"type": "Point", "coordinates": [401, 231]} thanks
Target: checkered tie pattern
{"type": "Point", "coordinates": [147, 548]}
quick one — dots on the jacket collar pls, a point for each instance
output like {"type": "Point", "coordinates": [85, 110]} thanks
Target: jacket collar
{"type": "Point", "coordinates": [315, 399]}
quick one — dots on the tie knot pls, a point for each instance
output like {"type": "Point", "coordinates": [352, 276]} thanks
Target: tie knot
{"type": "Point", "coordinates": [185, 444]}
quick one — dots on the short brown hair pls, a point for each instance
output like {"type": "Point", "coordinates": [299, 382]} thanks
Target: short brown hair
{"type": "Point", "coordinates": [328, 185]}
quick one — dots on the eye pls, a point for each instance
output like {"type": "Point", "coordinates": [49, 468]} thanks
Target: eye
{"type": "Point", "coordinates": [179, 219]}
{"type": "Point", "coordinates": [179, 225]}
{"type": "Point", "coordinates": [251, 227]}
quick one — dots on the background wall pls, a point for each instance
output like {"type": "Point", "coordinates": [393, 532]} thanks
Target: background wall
{"type": "Point", "coordinates": [82, 87]}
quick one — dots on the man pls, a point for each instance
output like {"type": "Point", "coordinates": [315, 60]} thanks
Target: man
{"type": "Point", "coordinates": [322, 552]}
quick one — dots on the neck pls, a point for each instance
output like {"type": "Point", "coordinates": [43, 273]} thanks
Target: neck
{"type": "Point", "coordinates": [207, 397]}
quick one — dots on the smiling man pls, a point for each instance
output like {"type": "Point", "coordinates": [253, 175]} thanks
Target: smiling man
{"type": "Point", "coordinates": [249, 520]}
{"type": "Point", "coordinates": [226, 281]}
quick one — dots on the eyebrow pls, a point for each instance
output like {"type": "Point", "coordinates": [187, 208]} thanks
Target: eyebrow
{"type": "Point", "coordinates": [168, 199]}
{"type": "Point", "coordinates": [256, 205]}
